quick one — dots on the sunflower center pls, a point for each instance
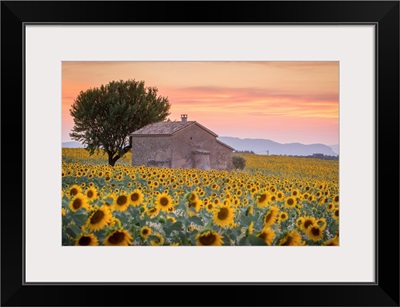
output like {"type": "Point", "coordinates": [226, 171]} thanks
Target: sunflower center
{"type": "Point", "coordinates": [192, 197]}
{"type": "Point", "coordinates": [121, 200]}
{"type": "Point", "coordinates": [134, 196]}
{"type": "Point", "coordinates": [84, 241]}
{"type": "Point", "coordinates": [262, 198]}
{"type": "Point", "coordinates": [337, 213]}
{"type": "Point", "coordinates": [287, 241]}
{"type": "Point", "coordinates": [268, 217]}
{"type": "Point", "coordinates": [207, 239]}
{"type": "Point", "coordinates": [307, 223]}
{"type": "Point", "coordinates": [223, 213]}
{"type": "Point", "coordinates": [315, 231]}
{"type": "Point", "coordinates": [77, 203]}
{"type": "Point", "coordinates": [290, 202]}
{"type": "Point", "coordinates": [73, 191]}
{"type": "Point", "coordinates": [145, 231]}
{"type": "Point", "coordinates": [164, 201]}
{"type": "Point", "coordinates": [263, 236]}
{"type": "Point", "coordinates": [336, 198]}
{"type": "Point", "coordinates": [97, 217]}
{"type": "Point", "coordinates": [192, 204]}
{"type": "Point", "coordinates": [90, 194]}
{"type": "Point", "coordinates": [116, 238]}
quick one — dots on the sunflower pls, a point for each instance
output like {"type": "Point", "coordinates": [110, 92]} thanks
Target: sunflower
{"type": "Point", "coordinates": [74, 190]}
{"type": "Point", "coordinates": [153, 211]}
{"type": "Point", "coordinates": [300, 222]}
{"type": "Point", "coordinates": [295, 193]}
{"type": "Point", "coordinates": [159, 241]}
{"type": "Point", "coordinates": [267, 234]}
{"type": "Point", "coordinates": [119, 237]}
{"type": "Point", "coordinates": [315, 233]}
{"type": "Point", "coordinates": [335, 199]}
{"type": "Point", "coordinates": [192, 197]}
{"type": "Point", "coordinates": [121, 202]}
{"type": "Point", "coordinates": [164, 202]}
{"type": "Point", "coordinates": [209, 238]}
{"type": "Point", "coordinates": [279, 195]}
{"type": "Point", "coordinates": [210, 207]}
{"type": "Point", "coordinates": [335, 214]}
{"type": "Point", "coordinates": [171, 218]}
{"type": "Point", "coordinates": [292, 238]}
{"type": "Point", "coordinates": [63, 211]}
{"type": "Point", "coordinates": [308, 221]}
{"type": "Point", "coordinates": [250, 230]}
{"type": "Point", "coordinates": [145, 232]}
{"type": "Point", "coordinates": [91, 193]}
{"type": "Point", "coordinates": [332, 242]}
{"type": "Point", "coordinates": [87, 240]}
{"type": "Point", "coordinates": [195, 204]}
{"type": "Point", "coordinates": [136, 197]}
{"type": "Point", "coordinates": [223, 216]}
{"type": "Point", "coordinates": [263, 199]}
{"type": "Point", "coordinates": [270, 216]}
{"type": "Point", "coordinates": [99, 218]}
{"type": "Point", "coordinates": [283, 216]}
{"type": "Point", "coordinates": [79, 201]}
{"type": "Point", "coordinates": [290, 202]}
{"type": "Point", "coordinates": [330, 207]}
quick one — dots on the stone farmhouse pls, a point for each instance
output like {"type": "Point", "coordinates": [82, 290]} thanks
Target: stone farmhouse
{"type": "Point", "coordinates": [180, 144]}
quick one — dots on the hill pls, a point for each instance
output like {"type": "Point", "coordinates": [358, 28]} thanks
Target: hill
{"type": "Point", "coordinates": [72, 145]}
{"type": "Point", "coordinates": [265, 146]}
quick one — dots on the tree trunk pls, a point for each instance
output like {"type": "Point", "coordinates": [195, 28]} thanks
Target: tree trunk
{"type": "Point", "coordinates": [111, 159]}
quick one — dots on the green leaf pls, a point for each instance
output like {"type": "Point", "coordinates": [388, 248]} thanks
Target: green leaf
{"type": "Point", "coordinates": [176, 226]}
{"type": "Point", "coordinates": [256, 241]}
{"type": "Point", "coordinates": [79, 219]}
{"type": "Point", "coordinates": [73, 231]}
{"type": "Point", "coordinates": [243, 241]}
{"type": "Point", "coordinates": [196, 220]}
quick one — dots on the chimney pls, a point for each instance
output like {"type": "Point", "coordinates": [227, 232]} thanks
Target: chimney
{"type": "Point", "coordinates": [184, 118]}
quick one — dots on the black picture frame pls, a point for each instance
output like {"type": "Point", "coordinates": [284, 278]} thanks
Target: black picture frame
{"type": "Point", "coordinates": [383, 14]}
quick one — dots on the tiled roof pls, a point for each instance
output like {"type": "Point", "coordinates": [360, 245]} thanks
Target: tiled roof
{"type": "Point", "coordinates": [163, 128]}
{"type": "Point", "coordinates": [170, 128]}
{"type": "Point", "coordinates": [167, 128]}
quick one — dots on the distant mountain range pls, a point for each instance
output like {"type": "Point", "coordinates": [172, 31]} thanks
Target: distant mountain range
{"type": "Point", "coordinates": [72, 145]}
{"type": "Point", "coordinates": [262, 146]}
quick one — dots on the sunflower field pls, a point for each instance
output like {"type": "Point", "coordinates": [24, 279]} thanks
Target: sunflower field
{"type": "Point", "coordinates": [275, 200]}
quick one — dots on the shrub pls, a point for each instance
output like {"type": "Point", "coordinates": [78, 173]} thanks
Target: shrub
{"type": "Point", "coordinates": [238, 162]}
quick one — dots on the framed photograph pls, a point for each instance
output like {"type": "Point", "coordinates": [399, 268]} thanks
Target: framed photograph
{"type": "Point", "coordinates": [146, 151]}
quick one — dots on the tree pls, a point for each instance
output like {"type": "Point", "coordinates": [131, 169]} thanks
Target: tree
{"type": "Point", "coordinates": [238, 162]}
{"type": "Point", "coordinates": [105, 117]}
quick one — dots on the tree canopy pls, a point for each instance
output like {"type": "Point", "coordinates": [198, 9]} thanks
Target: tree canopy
{"type": "Point", "coordinates": [105, 117]}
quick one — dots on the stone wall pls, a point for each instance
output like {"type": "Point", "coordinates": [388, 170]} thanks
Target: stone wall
{"type": "Point", "coordinates": [179, 151]}
{"type": "Point", "coordinates": [188, 140]}
{"type": "Point", "coordinates": [223, 157]}
{"type": "Point", "coordinates": [151, 151]}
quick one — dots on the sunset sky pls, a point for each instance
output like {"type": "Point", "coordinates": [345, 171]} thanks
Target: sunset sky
{"type": "Point", "coordinates": [285, 102]}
